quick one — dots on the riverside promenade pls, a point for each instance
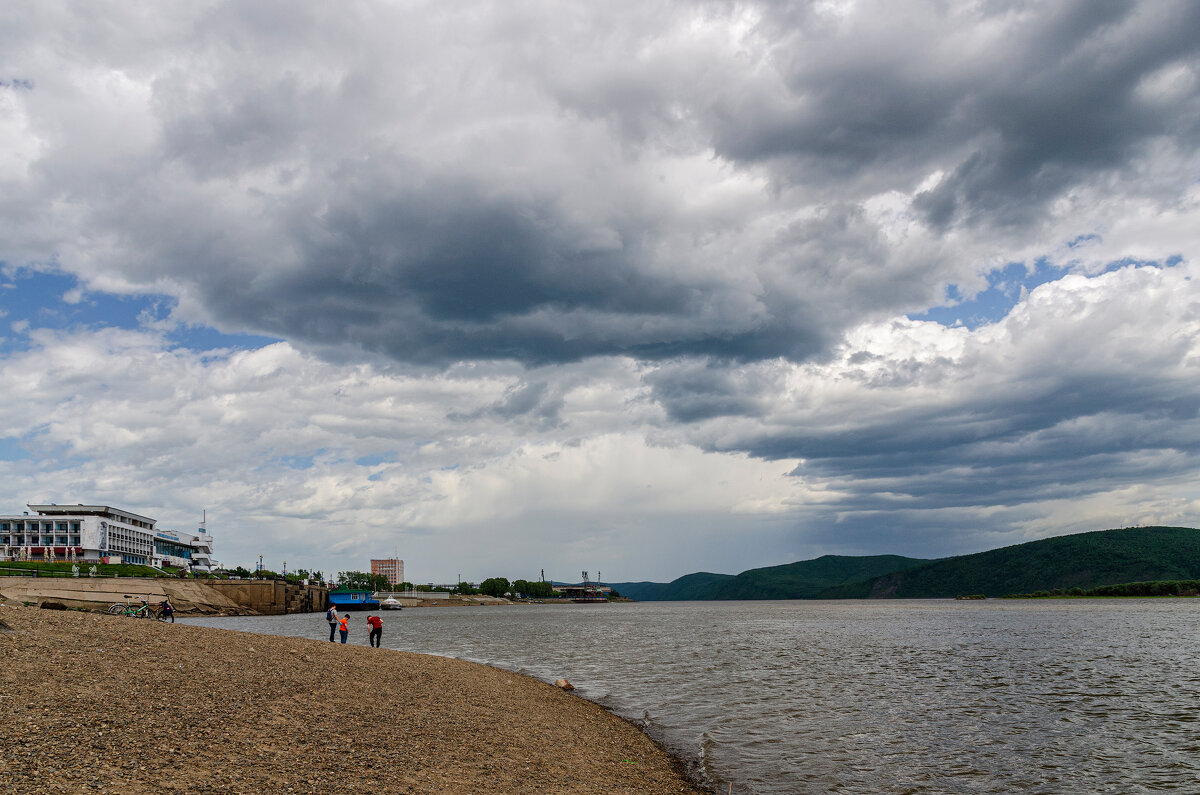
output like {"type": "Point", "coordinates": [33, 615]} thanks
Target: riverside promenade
{"type": "Point", "coordinates": [99, 703]}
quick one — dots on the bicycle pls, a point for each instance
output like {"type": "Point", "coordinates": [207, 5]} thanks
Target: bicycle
{"type": "Point", "coordinates": [144, 610]}
{"type": "Point", "coordinates": [122, 608]}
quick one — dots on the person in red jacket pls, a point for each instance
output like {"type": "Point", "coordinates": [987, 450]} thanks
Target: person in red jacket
{"type": "Point", "coordinates": [376, 625]}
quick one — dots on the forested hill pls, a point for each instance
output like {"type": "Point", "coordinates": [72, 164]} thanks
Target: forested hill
{"type": "Point", "coordinates": [803, 580]}
{"type": "Point", "coordinates": [688, 587]}
{"type": "Point", "coordinates": [1085, 560]}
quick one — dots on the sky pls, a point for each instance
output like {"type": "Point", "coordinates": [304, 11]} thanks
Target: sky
{"type": "Point", "coordinates": [639, 288]}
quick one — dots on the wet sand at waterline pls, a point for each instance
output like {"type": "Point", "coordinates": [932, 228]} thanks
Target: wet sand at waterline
{"type": "Point", "coordinates": [98, 703]}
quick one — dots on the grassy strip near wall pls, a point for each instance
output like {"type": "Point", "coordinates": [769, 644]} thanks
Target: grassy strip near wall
{"type": "Point", "coordinates": [1148, 588]}
{"type": "Point", "coordinates": [63, 569]}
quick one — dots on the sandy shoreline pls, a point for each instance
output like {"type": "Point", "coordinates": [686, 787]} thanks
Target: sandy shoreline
{"type": "Point", "coordinates": [96, 703]}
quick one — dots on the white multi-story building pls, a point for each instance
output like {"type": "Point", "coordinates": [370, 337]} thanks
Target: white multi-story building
{"type": "Point", "coordinates": [98, 532]}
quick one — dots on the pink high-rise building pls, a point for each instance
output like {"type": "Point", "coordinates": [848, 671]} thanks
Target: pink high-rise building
{"type": "Point", "coordinates": [392, 568]}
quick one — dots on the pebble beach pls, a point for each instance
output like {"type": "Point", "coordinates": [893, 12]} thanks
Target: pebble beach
{"type": "Point", "coordinates": [98, 703]}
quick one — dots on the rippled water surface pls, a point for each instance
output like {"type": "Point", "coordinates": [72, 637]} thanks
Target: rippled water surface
{"type": "Point", "coordinates": [860, 697]}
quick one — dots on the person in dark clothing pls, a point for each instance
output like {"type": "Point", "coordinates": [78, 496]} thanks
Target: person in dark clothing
{"type": "Point", "coordinates": [376, 634]}
{"type": "Point", "coordinates": [332, 617]}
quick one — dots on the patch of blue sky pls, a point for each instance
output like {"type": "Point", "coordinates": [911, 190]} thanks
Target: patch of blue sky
{"type": "Point", "coordinates": [37, 300]}
{"type": "Point", "coordinates": [297, 461]}
{"type": "Point", "coordinates": [1005, 286]}
{"type": "Point", "coordinates": [13, 449]}
{"type": "Point", "coordinates": [374, 460]}
{"type": "Point", "coordinates": [1169, 262]}
{"type": "Point", "coordinates": [32, 299]}
{"type": "Point", "coordinates": [38, 453]}
{"type": "Point", "coordinates": [207, 338]}
{"type": "Point", "coordinates": [992, 304]}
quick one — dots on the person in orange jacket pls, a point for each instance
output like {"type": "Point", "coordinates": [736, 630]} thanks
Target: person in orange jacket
{"type": "Point", "coordinates": [376, 634]}
{"type": "Point", "coordinates": [344, 627]}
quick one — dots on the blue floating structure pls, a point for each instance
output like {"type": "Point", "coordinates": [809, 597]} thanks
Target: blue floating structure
{"type": "Point", "coordinates": [353, 600]}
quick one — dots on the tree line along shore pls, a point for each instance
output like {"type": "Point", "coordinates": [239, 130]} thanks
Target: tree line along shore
{"type": "Point", "coordinates": [93, 703]}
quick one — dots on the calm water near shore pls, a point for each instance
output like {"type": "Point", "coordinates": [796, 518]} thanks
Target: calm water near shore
{"type": "Point", "coordinates": [1078, 696]}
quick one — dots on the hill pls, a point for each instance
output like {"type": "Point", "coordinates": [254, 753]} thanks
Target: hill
{"type": "Point", "coordinates": [808, 578]}
{"type": "Point", "coordinates": [803, 580]}
{"type": "Point", "coordinates": [1085, 560]}
{"type": "Point", "coordinates": [687, 588]}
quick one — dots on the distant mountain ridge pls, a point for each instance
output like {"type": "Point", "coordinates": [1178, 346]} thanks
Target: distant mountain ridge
{"type": "Point", "coordinates": [1083, 560]}
{"type": "Point", "coordinates": [806, 579]}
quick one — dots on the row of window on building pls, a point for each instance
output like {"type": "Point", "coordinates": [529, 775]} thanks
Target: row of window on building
{"type": "Point", "coordinates": [33, 527]}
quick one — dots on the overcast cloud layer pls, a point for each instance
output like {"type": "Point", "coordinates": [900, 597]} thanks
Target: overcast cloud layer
{"type": "Point", "coordinates": [644, 287]}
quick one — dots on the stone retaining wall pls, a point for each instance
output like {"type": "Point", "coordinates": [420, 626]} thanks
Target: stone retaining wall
{"type": "Point", "coordinates": [208, 597]}
{"type": "Point", "coordinates": [273, 597]}
{"type": "Point", "coordinates": [188, 596]}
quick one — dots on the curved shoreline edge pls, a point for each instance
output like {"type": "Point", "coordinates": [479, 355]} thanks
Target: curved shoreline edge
{"type": "Point", "coordinates": [687, 769]}
{"type": "Point", "coordinates": [101, 702]}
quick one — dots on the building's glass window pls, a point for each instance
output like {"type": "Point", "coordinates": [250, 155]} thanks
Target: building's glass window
{"type": "Point", "coordinates": [3, 527]}
{"type": "Point", "coordinates": [47, 540]}
{"type": "Point", "coordinates": [62, 541]}
{"type": "Point", "coordinates": [4, 541]}
{"type": "Point", "coordinates": [62, 527]}
{"type": "Point", "coordinates": [74, 527]}
{"type": "Point", "coordinates": [18, 527]}
{"type": "Point", "coordinates": [74, 541]}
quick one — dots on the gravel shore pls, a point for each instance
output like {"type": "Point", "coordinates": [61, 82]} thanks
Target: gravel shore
{"type": "Point", "coordinates": [97, 703]}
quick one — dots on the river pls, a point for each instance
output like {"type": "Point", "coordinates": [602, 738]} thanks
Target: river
{"type": "Point", "coordinates": [1048, 696]}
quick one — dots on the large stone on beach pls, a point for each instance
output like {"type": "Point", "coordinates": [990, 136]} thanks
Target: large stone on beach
{"type": "Point", "coordinates": [564, 684]}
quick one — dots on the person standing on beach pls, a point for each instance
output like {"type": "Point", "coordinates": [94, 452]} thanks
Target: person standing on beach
{"type": "Point", "coordinates": [332, 617]}
{"type": "Point", "coordinates": [376, 634]}
{"type": "Point", "coordinates": [344, 627]}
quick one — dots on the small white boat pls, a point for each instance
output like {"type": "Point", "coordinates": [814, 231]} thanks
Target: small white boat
{"type": "Point", "coordinates": [391, 604]}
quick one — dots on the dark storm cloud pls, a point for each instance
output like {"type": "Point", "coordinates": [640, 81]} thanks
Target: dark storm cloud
{"type": "Point", "coordinates": [535, 403]}
{"type": "Point", "coordinates": [1029, 115]}
{"type": "Point", "coordinates": [449, 268]}
{"type": "Point", "coordinates": [1148, 413]}
{"type": "Point", "coordinates": [444, 273]}
{"type": "Point", "coordinates": [1062, 402]}
{"type": "Point", "coordinates": [542, 185]}
{"type": "Point", "coordinates": [691, 391]}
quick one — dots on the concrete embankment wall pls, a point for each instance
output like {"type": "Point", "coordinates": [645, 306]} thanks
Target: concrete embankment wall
{"type": "Point", "coordinates": [273, 597]}
{"type": "Point", "coordinates": [188, 596]}
{"type": "Point", "coordinates": [208, 597]}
